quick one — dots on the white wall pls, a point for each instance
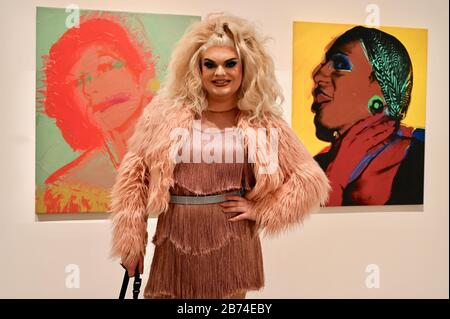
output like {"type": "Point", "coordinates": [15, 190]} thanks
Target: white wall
{"type": "Point", "coordinates": [326, 259]}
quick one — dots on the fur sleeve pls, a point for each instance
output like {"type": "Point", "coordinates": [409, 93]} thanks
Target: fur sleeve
{"type": "Point", "coordinates": [304, 187]}
{"type": "Point", "coordinates": [128, 206]}
{"type": "Point", "coordinates": [129, 195]}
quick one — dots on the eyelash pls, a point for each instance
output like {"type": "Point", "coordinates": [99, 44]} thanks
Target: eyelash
{"type": "Point", "coordinates": [230, 64]}
{"type": "Point", "coordinates": [211, 65]}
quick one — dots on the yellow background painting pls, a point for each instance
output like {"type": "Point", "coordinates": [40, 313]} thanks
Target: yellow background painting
{"type": "Point", "coordinates": [311, 41]}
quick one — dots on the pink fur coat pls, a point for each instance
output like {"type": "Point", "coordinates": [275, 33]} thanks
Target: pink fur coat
{"type": "Point", "coordinates": [282, 198]}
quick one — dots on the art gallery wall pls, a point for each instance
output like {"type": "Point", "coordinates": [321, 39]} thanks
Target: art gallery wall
{"type": "Point", "coordinates": [377, 252]}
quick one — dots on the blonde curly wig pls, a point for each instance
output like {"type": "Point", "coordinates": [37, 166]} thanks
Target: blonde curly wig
{"type": "Point", "coordinates": [259, 94]}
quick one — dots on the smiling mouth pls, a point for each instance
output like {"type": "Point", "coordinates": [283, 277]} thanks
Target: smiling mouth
{"type": "Point", "coordinates": [221, 82]}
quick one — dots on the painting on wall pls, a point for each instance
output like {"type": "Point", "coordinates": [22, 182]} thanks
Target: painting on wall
{"type": "Point", "coordinates": [96, 71]}
{"type": "Point", "coordinates": [359, 97]}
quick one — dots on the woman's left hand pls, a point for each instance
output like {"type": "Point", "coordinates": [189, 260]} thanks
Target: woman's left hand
{"type": "Point", "coordinates": [238, 204]}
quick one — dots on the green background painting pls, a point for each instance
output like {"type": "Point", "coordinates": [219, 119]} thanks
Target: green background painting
{"type": "Point", "coordinates": [158, 32]}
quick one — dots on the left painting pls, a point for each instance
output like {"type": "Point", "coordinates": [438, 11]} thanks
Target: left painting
{"type": "Point", "coordinates": [96, 71]}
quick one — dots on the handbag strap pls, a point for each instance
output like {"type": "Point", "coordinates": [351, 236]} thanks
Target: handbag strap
{"type": "Point", "coordinates": [136, 284]}
{"type": "Point", "coordinates": [123, 289]}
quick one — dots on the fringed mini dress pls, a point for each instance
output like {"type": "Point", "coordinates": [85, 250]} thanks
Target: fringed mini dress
{"type": "Point", "coordinates": [198, 253]}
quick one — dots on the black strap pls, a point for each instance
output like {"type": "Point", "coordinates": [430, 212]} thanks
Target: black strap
{"type": "Point", "coordinates": [136, 284]}
{"type": "Point", "coordinates": [123, 290]}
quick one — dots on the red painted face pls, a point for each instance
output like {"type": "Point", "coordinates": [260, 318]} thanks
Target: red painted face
{"type": "Point", "coordinates": [96, 84]}
{"type": "Point", "coordinates": [221, 73]}
{"type": "Point", "coordinates": [106, 87]}
{"type": "Point", "coordinates": [343, 87]}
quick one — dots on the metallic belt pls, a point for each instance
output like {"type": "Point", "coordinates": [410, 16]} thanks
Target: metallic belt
{"type": "Point", "coordinates": [203, 199]}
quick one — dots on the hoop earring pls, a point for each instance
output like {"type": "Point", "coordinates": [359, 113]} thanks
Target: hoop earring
{"type": "Point", "coordinates": [375, 104]}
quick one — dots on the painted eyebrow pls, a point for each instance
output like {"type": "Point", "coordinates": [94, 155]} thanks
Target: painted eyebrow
{"type": "Point", "coordinates": [209, 60]}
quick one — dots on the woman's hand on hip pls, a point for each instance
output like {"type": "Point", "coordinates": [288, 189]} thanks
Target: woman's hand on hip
{"type": "Point", "coordinates": [238, 204]}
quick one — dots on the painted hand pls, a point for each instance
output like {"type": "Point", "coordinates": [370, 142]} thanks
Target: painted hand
{"type": "Point", "coordinates": [241, 205]}
{"type": "Point", "coordinates": [361, 138]}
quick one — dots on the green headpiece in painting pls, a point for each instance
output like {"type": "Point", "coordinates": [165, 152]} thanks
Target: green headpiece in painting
{"type": "Point", "coordinates": [391, 65]}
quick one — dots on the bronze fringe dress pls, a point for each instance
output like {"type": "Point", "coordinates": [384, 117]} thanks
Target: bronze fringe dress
{"type": "Point", "coordinates": [198, 252]}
